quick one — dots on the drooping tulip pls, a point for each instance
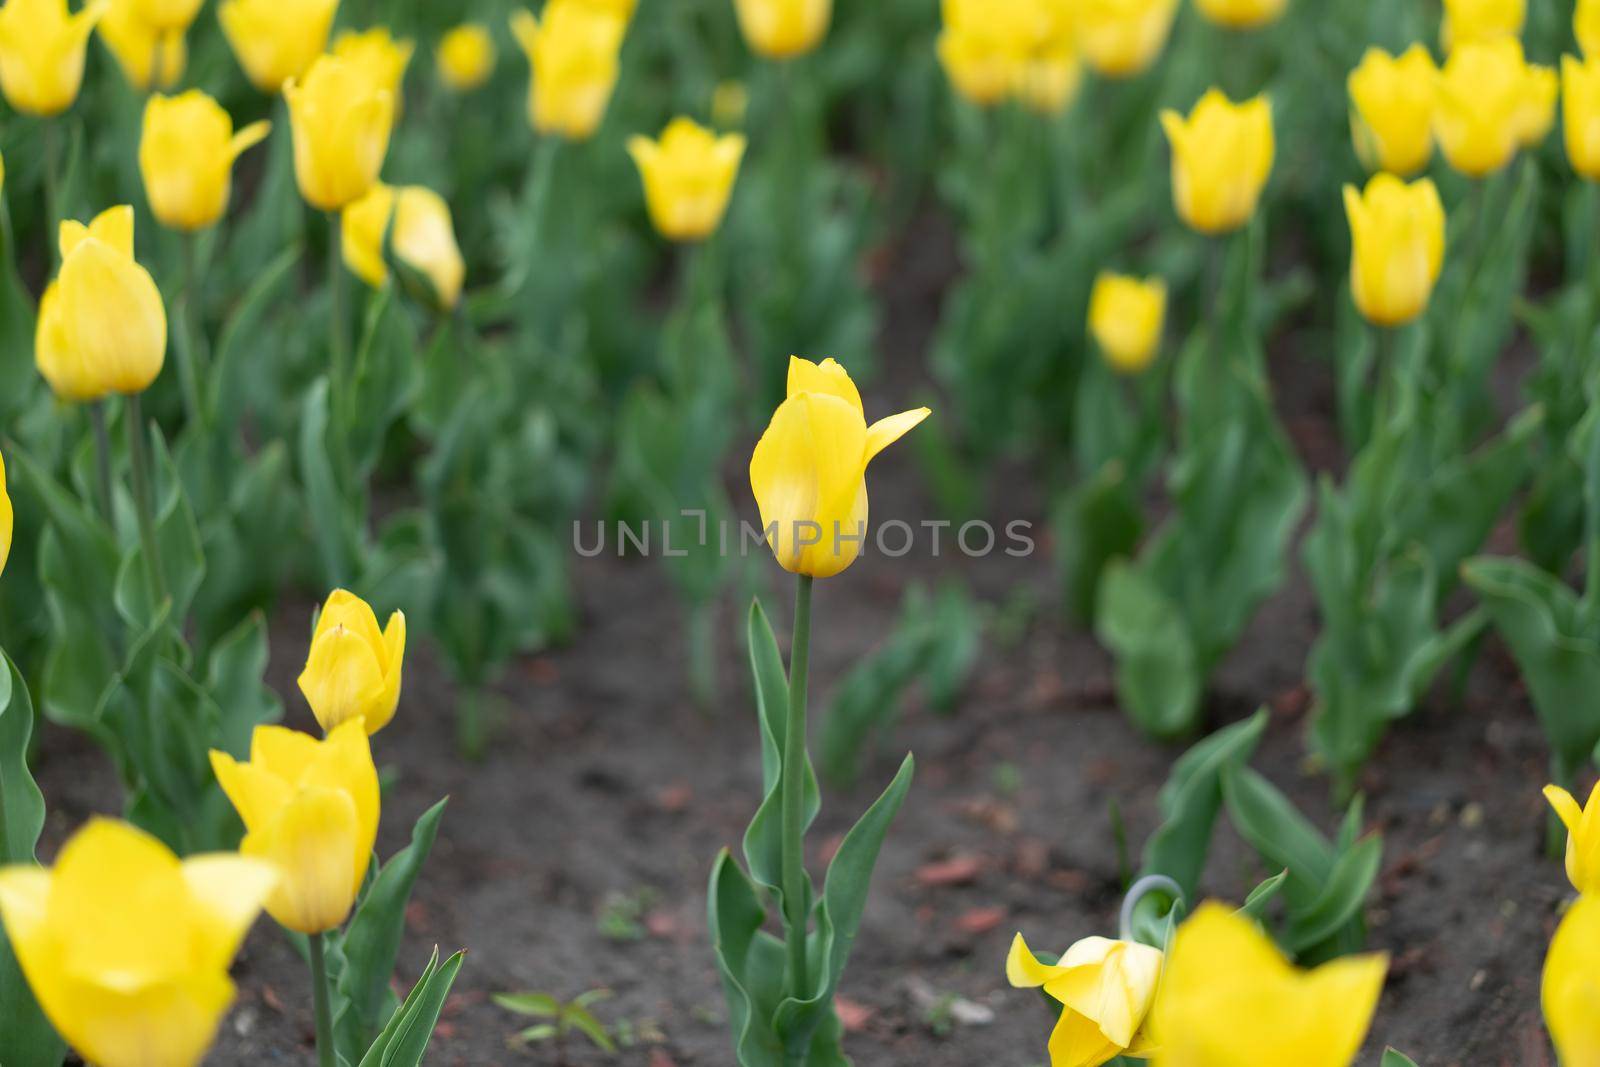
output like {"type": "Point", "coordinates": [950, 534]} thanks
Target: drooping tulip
{"type": "Point", "coordinates": [1222, 156]}
{"type": "Point", "coordinates": [1570, 987]}
{"type": "Point", "coordinates": [1105, 988]}
{"type": "Point", "coordinates": [42, 46]}
{"type": "Point", "coordinates": [138, 47]}
{"type": "Point", "coordinates": [102, 326]}
{"type": "Point", "coordinates": [783, 29]}
{"type": "Point", "coordinates": [1580, 114]}
{"type": "Point", "coordinates": [1481, 20]}
{"type": "Point", "coordinates": [465, 57]}
{"type": "Point", "coordinates": [688, 177]}
{"type": "Point", "coordinates": [276, 40]}
{"type": "Point", "coordinates": [1122, 38]}
{"type": "Point", "coordinates": [573, 51]}
{"type": "Point", "coordinates": [126, 947]}
{"type": "Point", "coordinates": [808, 472]}
{"type": "Point", "coordinates": [1482, 112]}
{"type": "Point", "coordinates": [186, 157]}
{"type": "Point", "coordinates": [424, 239]}
{"type": "Point", "coordinates": [1397, 247]}
{"type": "Point", "coordinates": [341, 123]}
{"type": "Point", "coordinates": [1242, 14]}
{"type": "Point", "coordinates": [1392, 101]}
{"type": "Point", "coordinates": [353, 670]}
{"type": "Point", "coordinates": [1126, 316]}
{"type": "Point", "coordinates": [310, 808]}
{"type": "Point", "coordinates": [1583, 836]}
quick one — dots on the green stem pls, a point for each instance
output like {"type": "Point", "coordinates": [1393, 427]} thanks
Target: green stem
{"type": "Point", "coordinates": [183, 337]}
{"type": "Point", "coordinates": [794, 771]}
{"type": "Point", "coordinates": [320, 997]}
{"type": "Point", "coordinates": [139, 461]}
{"type": "Point", "coordinates": [102, 458]}
{"type": "Point", "coordinates": [52, 188]}
{"type": "Point", "coordinates": [338, 343]}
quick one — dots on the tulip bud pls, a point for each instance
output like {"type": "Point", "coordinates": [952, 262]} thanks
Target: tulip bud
{"type": "Point", "coordinates": [126, 947]}
{"type": "Point", "coordinates": [186, 156]}
{"type": "Point", "coordinates": [276, 40]}
{"type": "Point", "coordinates": [688, 178]}
{"type": "Point", "coordinates": [1568, 988]}
{"type": "Point", "coordinates": [42, 51]}
{"type": "Point", "coordinates": [1105, 988]}
{"type": "Point", "coordinates": [341, 123]}
{"type": "Point", "coordinates": [1481, 20]}
{"type": "Point", "coordinates": [378, 58]}
{"type": "Point", "coordinates": [310, 808]}
{"type": "Point", "coordinates": [1583, 836]}
{"type": "Point", "coordinates": [138, 47]}
{"type": "Point", "coordinates": [1125, 317]}
{"type": "Point", "coordinates": [353, 670]}
{"type": "Point", "coordinates": [6, 516]}
{"type": "Point", "coordinates": [167, 16]}
{"type": "Point", "coordinates": [573, 54]}
{"type": "Point", "coordinates": [1482, 112]}
{"type": "Point", "coordinates": [1397, 234]}
{"type": "Point", "coordinates": [102, 327]}
{"type": "Point", "coordinates": [1242, 14]}
{"type": "Point", "coordinates": [1586, 27]}
{"type": "Point", "coordinates": [783, 29]}
{"type": "Point", "coordinates": [1392, 109]}
{"type": "Point", "coordinates": [808, 472]}
{"type": "Point", "coordinates": [465, 57]}
{"type": "Point", "coordinates": [423, 239]}
{"type": "Point", "coordinates": [1580, 114]}
{"type": "Point", "coordinates": [1122, 38]}
{"type": "Point", "coordinates": [1222, 156]}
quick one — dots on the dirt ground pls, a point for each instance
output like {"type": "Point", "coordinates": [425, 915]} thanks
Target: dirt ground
{"type": "Point", "coordinates": [608, 793]}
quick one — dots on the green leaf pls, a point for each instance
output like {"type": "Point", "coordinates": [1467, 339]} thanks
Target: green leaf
{"type": "Point", "coordinates": [1392, 1058]}
{"type": "Point", "coordinates": [405, 1038]}
{"type": "Point", "coordinates": [538, 1005]}
{"type": "Point", "coordinates": [1098, 521]}
{"type": "Point", "coordinates": [336, 536]}
{"type": "Point", "coordinates": [1158, 676]}
{"type": "Point", "coordinates": [1341, 901]}
{"type": "Point", "coordinates": [751, 961]}
{"type": "Point", "coordinates": [1255, 905]}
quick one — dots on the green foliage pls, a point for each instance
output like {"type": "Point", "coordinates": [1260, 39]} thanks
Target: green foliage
{"type": "Point", "coordinates": [405, 1038]}
{"type": "Point", "coordinates": [564, 1017]}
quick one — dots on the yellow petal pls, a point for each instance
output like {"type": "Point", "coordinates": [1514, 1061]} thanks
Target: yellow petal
{"type": "Point", "coordinates": [312, 843]}
{"type": "Point", "coordinates": [343, 679]}
{"type": "Point", "coordinates": [254, 791]}
{"type": "Point", "coordinates": [226, 893]}
{"type": "Point", "coordinates": [885, 432]}
{"type": "Point", "coordinates": [827, 377]}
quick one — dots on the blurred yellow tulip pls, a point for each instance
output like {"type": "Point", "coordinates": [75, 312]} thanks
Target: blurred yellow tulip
{"type": "Point", "coordinates": [341, 123]}
{"type": "Point", "coordinates": [1222, 156]}
{"type": "Point", "coordinates": [1105, 988]}
{"type": "Point", "coordinates": [353, 669]}
{"type": "Point", "coordinates": [1229, 998]}
{"type": "Point", "coordinates": [1121, 38]}
{"type": "Point", "coordinates": [1570, 987]}
{"type": "Point", "coordinates": [1392, 102]}
{"type": "Point", "coordinates": [1242, 14]}
{"type": "Point", "coordinates": [993, 50]}
{"type": "Point", "coordinates": [424, 240]}
{"type": "Point", "coordinates": [1580, 114]}
{"type": "Point", "coordinates": [138, 47]}
{"type": "Point", "coordinates": [1583, 836]}
{"type": "Point", "coordinates": [42, 48]}
{"type": "Point", "coordinates": [310, 808]}
{"type": "Point", "coordinates": [808, 472]}
{"type": "Point", "coordinates": [465, 57]}
{"type": "Point", "coordinates": [1586, 27]}
{"type": "Point", "coordinates": [1537, 114]}
{"type": "Point", "coordinates": [186, 157]}
{"type": "Point", "coordinates": [167, 16]}
{"type": "Point", "coordinates": [783, 29]}
{"type": "Point", "coordinates": [379, 58]}
{"type": "Point", "coordinates": [126, 947]}
{"type": "Point", "coordinates": [102, 327]}
{"type": "Point", "coordinates": [1397, 236]}
{"type": "Point", "coordinates": [276, 40]}
{"type": "Point", "coordinates": [730, 101]}
{"type": "Point", "coordinates": [688, 177]}
{"type": "Point", "coordinates": [1126, 316]}
{"type": "Point", "coordinates": [6, 516]}
{"type": "Point", "coordinates": [573, 53]}
{"type": "Point", "coordinates": [1481, 20]}
{"type": "Point", "coordinates": [1482, 111]}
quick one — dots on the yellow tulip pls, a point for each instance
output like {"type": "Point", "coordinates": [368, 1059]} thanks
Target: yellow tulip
{"type": "Point", "coordinates": [167, 16]}
{"type": "Point", "coordinates": [1570, 987]}
{"type": "Point", "coordinates": [1242, 14]}
{"type": "Point", "coordinates": [1105, 988]}
{"type": "Point", "coordinates": [1050, 74]}
{"type": "Point", "coordinates": [1580, 114]}
{"type": "Point", "coordinates": [1586, 27]}
{"type": "Point", "coordinates": [465, 57]}
{"type": "Point", "coordinates": [137, 47]}
{"type": "Point", "coordinates": [379, 58]}
{"type": "Point", "coordinates": [1126, 316]}
{"type": "Point", "coordinates": [1022, 49]}
{"type": "Point", "coordinates": [1397, 236]}
{"type": "Point", "coordinates": [1583, 836]}
{"type": "Point", "coordinates": [6, 517]}
{"type": "Point", "coordinates": [688, 177]}
{"type": "Point", "coordinates": [1537, 114]}
{"type": "Point", "coordinates": [783, 29]}
{"type": "Point", "coordinates": [341, 123]}
{"type": "Point", "coordinates": [1229, 998]}
{"type": "Point", "coordinates": [1481, 20]}
{"type": "Point", "coordinates": [808, 472]}
{"type": "Point", "coordinates": [1481, 114]}
{"type": "Point", "coordinates": [1222, 156]}
{"type": "Point", "coordinates": [126, 947]}
{"type": "Point", "coordinates": [353, 669]}
{"type": "Point", "coordinates": [102, 327]}
{"type": "Point", "coordinates": [622, 9]}
{"type": "Point", "coordinates": [310, 808]}
{"type": "Point", "coordinates": [573, 53]}
{"type": "Point", "coordinates": [1391, 114]}
{"type": "Point", "coordinates": [42, 49]}
{"type": "Point", "coordinates": [424, 239]}
{"type": "Point", "coordinates": [1121, 38]}
{"type": "Point", "coordinates": [186, 156]}
{"type": "Point", "coordinates": [276, 40]}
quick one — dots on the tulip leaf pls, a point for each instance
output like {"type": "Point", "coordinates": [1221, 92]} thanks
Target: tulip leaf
{"type": "Point", "coordinates": [242, 334]}
{"type": "Point", "coordinates": [1098, 521]}
{"type": "Point", "coordinates": [1393, 1058]}
{"type": "Point", "coordinates": [405, 1037]}
{"type": "Point", "coordinates": [751, 961]}
{"type": "Point", "coordinates": [183, 560]}
{"type": "Point", "coordinates": [331, 525]}
{"type": "Point", "coordinates": [1255, 905]}
{"type": "Point", "coordinates": [1158, 678]}
{"type": "Point", "coordinates": [384, 379]}
{"type": "Point", "coordinates": [1340, 901]}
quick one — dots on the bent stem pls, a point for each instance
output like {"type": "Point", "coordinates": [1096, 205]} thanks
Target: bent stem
{"type": "Point", "coordinates": [319, 994]}
{"type": "Point", "coordinates": [102, 458]}
{"type": "Point", "coordinates": [139, 461]}
{"type": "Point", "coordinates": [794, 769]}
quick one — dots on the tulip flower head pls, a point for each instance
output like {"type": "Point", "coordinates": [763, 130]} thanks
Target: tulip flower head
{"type": "Point", "coordinates": [424, 239]}
{"type": "Point", "coordinates": [1466, 21]}
{"type": "Point", "coordinates": [341, 122]}
{"type": "Point", "coordinates": [1391, 117]}
{"type": "Point", "coordinates": [1242, 14]}
{"type": "Point", "coordinates": [1222, 156]}
{"type": "Point", "coordinates": [167, 16]}
{"type": "Point", "coordinates": [688, 178]}
{"type": "Point", "coordinates": [1122, 38]}
{"type": "Point", "coordinates": [102, 326]}
{"type": "Point", "coordinates": [1126, 316]}
{"type": "Point", "coordinates": [808, 472]}
{"type": "Point", "coordinates": [276, 40]}
{"type": "Point", "coordinates": [1583, 836]}
{"type": "Point", "coordinates": [310, 809]}
{"type": "Point", "coordinates": [353, 670]}
{"type": "Point", "coordinates": [1397, 235]}
{"type": "Point", "coordinates": [1580, 114]}
{"type": "Point", "coordinates": [1229, 997]}
{"type": "Point", "coordinates": [573, 52]}
{"type": "Point", "coordinates": [1026, 50]}
{"type": "Point", "coordinates": [42, 46]}
{"type": "Point", "coordinates": [1586, 27]}
{"type": "Point", "coordinates": [126, 947]}
{"type": "Point", "coordinates": [465, 57]}
{"type": "Point", "coordinates": [1105, 988]}
{"type": "Point", "coordinates": [1570, 987]}
{"type": "Point", "coordinates": [378, 57]}
{"type": "Point", "coordinates": [6, 517]}
{"type": "Point", "coordinates": [186, 157]}
{"type": "Point", "coordinates": [140, 48]}
{"type": "Point", "coordinates": [1486, 106]}
{"type": "Point", "coordinates": [783, 29]}
{"type": "Point", "coordinates": [1537, 114]}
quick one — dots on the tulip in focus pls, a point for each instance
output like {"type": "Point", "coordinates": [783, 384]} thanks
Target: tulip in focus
{"type": "Point", "coordinates": [808, 472]}
{"type": "Point", "coordinates": [353, 669]}
{"type": "Point", "coordinates": [1105, 988]}
{"type": "Point", "coordinates": [1222, 156]}
{"type": "Point", "coordinates": [1126, 316]}
{"type": "Point", "coordinates": [310, 808]}
{"type": "Point", "coordinates": [1229, 997]}
{"type": "Point", "coordinates": [186, 157]}
{"type": "Point", "coordinates": [378, 57]}
{"type": "Point", "coordinates": [126, 947]}
{"type": "Point", "coordinates": [276, 40]}
{"type": "Point", "coordinates": [1242, 14]}
{"type": "Point", "coordinates": [1482, 110]}
{"type": "Point", "coordinates": [102, 326]}
{"type": "Point", "coordinates": [341, 124]}
{"type": "Point", "coordinates": [688, 178]}
{"type": "Point", "coordinates": [42, 46]}
{"type": "Point", "coordinates": [1392, 102]}
{"type": "Point", "coordinates": [1583, 836]}
{"type": "Point", "coordinates": [1397, 236]}
{"type": "Point", "coordinates": [138, 47]}
{"type": "Point", "coordinates": [424, 239]}
{"type": "Point", "coordinates": [465, 57]}
{"type": "Point", "coordinates": [1570, 987]}
{"type": "Point", "coordinates": [1586, 27]}
{"type": "Point", "coordinates": [1121, 38]}
{"type": "Point", "coordinates": [783, 29]}
{"type": "Point", "coordinates": [1481, 20]}
{"type": "Point", "coordinates": [573, 51]}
